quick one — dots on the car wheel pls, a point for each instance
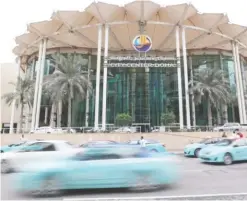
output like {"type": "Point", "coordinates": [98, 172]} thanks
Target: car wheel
{"type": "Point", "coordinates": [196, 153]}
{"type": "Point", "coordinates": [153, 151]}
{"type": "Point", "coordinates": [5, 167]}
{"type": "Point", "coordinates": [221, 130]}
{"type": "Point", "coordinates": [142, 182]}
{"type": "Point", "coordinates": [228, 160]}
{"type": "Point", "coordinates": [49, 187]}
{"type": "Point", "coordinates": [2, 151]}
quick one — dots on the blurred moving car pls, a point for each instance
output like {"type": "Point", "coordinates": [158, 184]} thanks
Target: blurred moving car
{"type": "Point", "coordinates": [99, 143]}
{"type": "Point", "coordinates": [105, 167]}
{"type": "Point", "coordinates": [229, 127]}
{"type": "Point", "coordinates": [34, 152]}
{"type": "Point", "coordinates": [194, 148]}
{"type": "Point", "coordinates": [16, 146]}
{"type": "Point", "coordinates": [226, 151]}
{"type": "Point", "coordinates": [151, 145]}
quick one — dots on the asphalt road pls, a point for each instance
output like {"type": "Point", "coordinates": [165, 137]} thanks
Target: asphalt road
{"type": "Point", "coordinates": [197, 179]}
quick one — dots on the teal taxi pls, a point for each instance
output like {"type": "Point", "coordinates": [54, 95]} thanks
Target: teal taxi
{"type": "Point", "coordinates": [92, 168]}
{"type": "Point", "coordinates": [194, 148]}
{"type": "Point", "coordinates": [226, 151]}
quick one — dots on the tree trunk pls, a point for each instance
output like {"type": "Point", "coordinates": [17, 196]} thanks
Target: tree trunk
{"type": "Point", "coordinates": [233, 114]}
{"type": "Point", "coordinates": [21, 119]}
{"type": "Point", "coordinates": [210, 120]}
{"type": "Point", "coordinates": [59, 113]}
{"type": "Point", "coordinates": [193, 110]}
{"type": "Point", "coordinates": [218, 109]}
{"type": "Point", "coordinates": [69, 112]}
{"type": "Point", "coordinates": [225, 114]}
{"type": "Point", "coordinates": [52, 115]}
{"type": "Point", "coordinates": [193, 105]}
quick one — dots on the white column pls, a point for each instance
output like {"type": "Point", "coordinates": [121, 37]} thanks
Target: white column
{"type": "Point", "coordinates": [193, 107]}
{"type": "Point", "coordinates": [244, 87]}
{"type": "Point", "coordinates": [96, 114]}
{"type": "Point", "coordinates": [88, 92]}
{"type": "Point", "coordinates": [38, 64]}
{"type": "Point", "coordinates": [186, 82]}
{"type": "Point", "coordinates": [240, 109]}
{"type": "Point", "coordinates": [241, 84]}
{"type": "Point", "coordinates": [180, 95]}
{"type": "Point", "coordinates": [40, 84]}
{"type": "Point", "coordinates": [104, 106]}
{"type": "Point", "coordinates": [13, 108]}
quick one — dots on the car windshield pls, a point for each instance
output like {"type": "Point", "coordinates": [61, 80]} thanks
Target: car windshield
{"type": "Point", "coordinates": [205, 141]}
{"type": "Point", "coordinates": [224, 142]}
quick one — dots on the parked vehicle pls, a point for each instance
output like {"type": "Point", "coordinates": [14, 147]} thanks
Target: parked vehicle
{"type": "Point", "coordinates": [34, 152]}
{"type": "Point", "coordinates": [124, 130]}
{"type": "Point", "coordinates": [106, 167]}
{"type": "Point", "coordinates": [47, 129]}
{"type": "Point", "coordinates": [226, 151]}
{"type": "Point", "coordinates": [99, 143]}
{"type": "Point", "coordinates": [194, 148]}
{"type": "Point", "coordinates": [151, 145]}
{"type": "Point", "coordinates": [230, 127]}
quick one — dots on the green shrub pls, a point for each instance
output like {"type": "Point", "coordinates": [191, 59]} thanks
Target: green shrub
{"type": "Point", "coordinates": [123, 119]}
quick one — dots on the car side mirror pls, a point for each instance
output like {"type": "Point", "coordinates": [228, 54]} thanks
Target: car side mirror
{"type": "Point", "coordinates": [235, 145]}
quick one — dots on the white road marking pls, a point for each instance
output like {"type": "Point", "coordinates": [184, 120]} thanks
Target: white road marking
{"type": "Point", "coordinates": [158, 197]}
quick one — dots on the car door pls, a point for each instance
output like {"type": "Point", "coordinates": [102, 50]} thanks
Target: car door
{"type": "Point", "coordinates": [32, 152]}
{"type": "Point", "coordinates": [244, 156]}
{"type": "Point", "coordinates": [94, 170]}
{"type": "Point", "coordinates": [239, 149]}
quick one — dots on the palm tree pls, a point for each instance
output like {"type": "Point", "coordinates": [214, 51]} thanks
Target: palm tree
{"type": "Point", "coordinates": [212, 84]}
{"type": "Point", "coordinates": [69, 78]}
{"type": "Point", "coordinates": [23, 95]}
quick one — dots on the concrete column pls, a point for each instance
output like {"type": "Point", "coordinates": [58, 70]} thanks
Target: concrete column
{"type": "Point", "coordinates": [241, 84]}
{"type": "Point", "coordinates": [186, 82]}
{"type": "Point", "coordinates": [180, 95]}
{"type": "Point", "coordinates": [104, 106]}
{"type": "Point", "coordinates": [240, 109]}
{"type": "Point", "coordinates": [193, 106]}
{"type": "Point", "coordinates": [38, 64]}
{"type": "Point", "coordinates": [96, 114]}
{"type": "Point", "coordinates": [88, 92]}
{"type": "Point", "coordinates": [42, 66]}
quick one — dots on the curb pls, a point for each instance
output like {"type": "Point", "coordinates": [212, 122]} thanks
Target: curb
{"type": "Point", "coordinates": [163, 198]}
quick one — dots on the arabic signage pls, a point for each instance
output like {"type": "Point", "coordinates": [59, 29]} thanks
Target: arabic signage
{"type": "Point", "coordinates": [140, 62]}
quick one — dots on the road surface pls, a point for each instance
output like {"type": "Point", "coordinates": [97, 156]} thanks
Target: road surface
{"type": "Point", "coordinates": [198, 179]}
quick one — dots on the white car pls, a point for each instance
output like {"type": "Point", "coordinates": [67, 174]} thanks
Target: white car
{"type": "Point", "coordinates": [47, 129]}
{"type": "Point", "coordinates": [36, 152]}
{"type": "Point", "coordinates": [125, 130]}
{"type": "Point", "coordinates": [229, 127]}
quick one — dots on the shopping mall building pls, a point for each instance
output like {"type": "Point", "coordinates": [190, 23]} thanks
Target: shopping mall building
{"type": "Point", "coordinates": [141, 58]}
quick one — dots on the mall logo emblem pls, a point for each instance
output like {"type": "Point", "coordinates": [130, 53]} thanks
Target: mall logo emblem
{"type": "Point", "coordinates": [142, 43]}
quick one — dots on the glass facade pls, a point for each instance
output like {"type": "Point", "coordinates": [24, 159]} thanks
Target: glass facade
{"type": "Point", "coordinates": [143, 93]}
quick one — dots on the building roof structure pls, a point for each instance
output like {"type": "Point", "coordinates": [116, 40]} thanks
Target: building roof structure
{"type": "Point", "coordinates": [78, 29]}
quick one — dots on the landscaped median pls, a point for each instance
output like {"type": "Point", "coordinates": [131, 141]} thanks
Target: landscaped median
{"type": "Point", "coordinates": [173, 141]}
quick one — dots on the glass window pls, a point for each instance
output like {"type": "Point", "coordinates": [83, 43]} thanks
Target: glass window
{"type": "Point", "coordinates": [225, 142]}
{"type": "Point", "coordinates": [97, 156]}
{"type": "Point", "coordinates": [239, 143]}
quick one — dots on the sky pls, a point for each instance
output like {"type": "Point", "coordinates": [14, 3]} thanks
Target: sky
{"type": "Point", "coordinates": [15, 15]}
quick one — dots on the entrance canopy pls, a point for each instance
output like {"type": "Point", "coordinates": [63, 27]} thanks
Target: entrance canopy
{"type": "Point", "coordinates": [76, 29]}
